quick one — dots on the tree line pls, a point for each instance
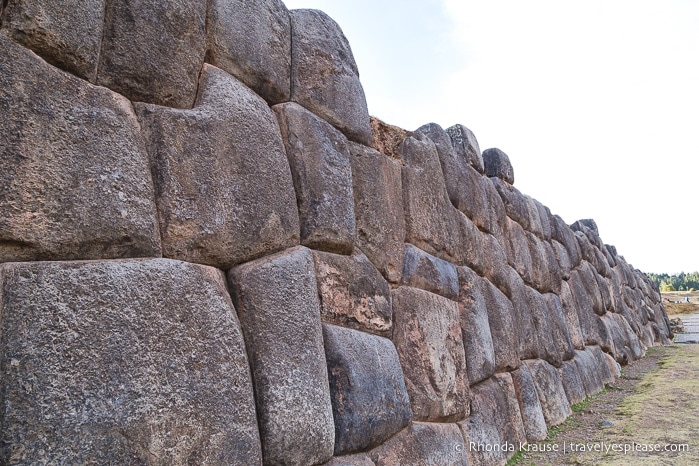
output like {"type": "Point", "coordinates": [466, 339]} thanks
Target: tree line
{"type": "Point", "coordinates": [677, 282]}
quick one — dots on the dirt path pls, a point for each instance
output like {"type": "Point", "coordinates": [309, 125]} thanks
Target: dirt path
{"type": "Point", "coordinates": [654, 405]}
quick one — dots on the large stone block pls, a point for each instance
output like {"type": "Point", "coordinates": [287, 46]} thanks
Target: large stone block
{"type": "Point", "coordinates": [571, 316]}
{"type": "Point", "coordinates": [590, 377]}
{"type": "Point", "coordinates": [518, 252]}
{"type": "Point", "coordinates": [66, 33]}
{"type": "Point", "coordinates": [324, 76]}
{"type": "Point", "coordinates": [497, 165]}
{"type": "Point", "coordinates": [564, 264]}
{"type": "Point", "coordinates": [551, 337]}
{"type": "Point", "coordinates": [529, 404]}
{"type": "Point", "coordinates": [427, 334]}
{"type": "Point", "coordinates": [559, 326]}
{"type": "Point", "coordinates": [353, 293]}
{"type": "Point", "coordinates": [369, 399]}
{"type": "Point", "coordinates": [222, 179]}
{"type": "Point", "coordinates": [503, 325]}
{"type": "Point", "coordinates": [322, 174]}
{"type": "Point", "coordinates": [583, 304]}
{"type": "Point", "coordinates": [552, 395]}
{"type": "Point", "coordinates": [466, 146]}
{"type": "Point", "coordinates": [123, 362]}
{"type": "Point", "coordinates": [496, 211]}
{"type": "Point", "coordinates": [387, 137]}
{"type": "Point", "coordinates": [562, 233]}
{"type": "Point", "coordinates": [431, 222]}
{"type": "Point", "coordinates": [359, 459]}
{"type": "Point", "coordinates": [516, 204]}
{"type": "Point", "coordinates": [475, 327]}
{"type": "Point", "coordinates": [495, 429]}
{"type": "Point", "coordinates": [424, 271]}
{"type": "Point", "coordinates": [423, 444]}
{"type": "Point", "coordinates": [252, 41]}
{"type": "Point", "coordinates": [526, 335]}
{"type": "Point", "coordinates": [572, 382]}
{"type": "Point", "coordinates": [279, 311]}
{"type": "Point", "coordinates": [75, 181]}
{"type": "Point", "coordinates": [494, 262]}
{"type": "Point", "coordinates": [378, 209]}
{"type": "Point", "coordinates": [153, 50]}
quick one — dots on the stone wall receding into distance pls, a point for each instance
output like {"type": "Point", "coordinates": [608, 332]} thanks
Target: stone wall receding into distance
{"type": "Point", "coordinates": [211, 254]}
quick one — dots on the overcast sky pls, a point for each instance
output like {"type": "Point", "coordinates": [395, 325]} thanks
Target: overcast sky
{"type": "Point", "coordinates": [595, 102]}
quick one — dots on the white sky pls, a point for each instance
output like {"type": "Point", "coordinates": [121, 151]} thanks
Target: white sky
{"type": "Point", "coordinates": [596, 102]}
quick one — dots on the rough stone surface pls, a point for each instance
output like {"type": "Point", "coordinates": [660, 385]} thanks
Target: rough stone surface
{"type": "Point", "coordinates": [360, 459]}
{"type": "Point", "coordinates": [571, 316]}
{"type": "Point", "coordinates": [497, 164]}
{"type": "Point", "coordinates": [421, 270]}
{"type": "Point", "coordinates": [559, 326]}
{"type": "Point", "coordinates": [495, 420]}
{"type": "Point", "coordinates": [322, 174]}
{"type": "Point", "coordinates": [369, 399]}
{"type": "Point", "coordinates": [66, 33]}
{"type": "Point", "coordinates": [552, 396]}
{"type": "Point", "coordinates": [378, 209]}
{"type": "Point", "coordinates": [518, 252]}
{"type": "Point", "coordinates": [466, 146]}
{"type": "Point", "coordinates": [526, 336]}
{"type": "Point", "coordinates": [529, 404]}
{"type": "Point", "coordinates": [153, 50]}
{"type": "Point", "coordinates": [74, 175]}
{"type": "Point", "coordinates": [324, 76]}
{"type": "Point", "coordinates": [252, 41]}
{"type": "Point", "coordinates": [137, 359]}
{"type": "Point", "coordinates": [423, 444]}
{"type": "Point", "coordinates": [353, 293]}
{"type": "Point", "coordinates": [431, 222]}
{"type": "Point", "coordinates": [222, 179]}
{"type": "Point", "coordinates": [572, 382]}
{"type": "Point", "coordinates": [387, 137]}
{"type": "Point", "coordinates": [279, 310]}
{"type": "Point", "coordinates": [427, 334]}
{"type": "Point", "coordinates": [564, 235]}
{"type": "Point", "coordinates": [501, 317]}
{"type": "Point", "coordinates": [475, 327]}
{"type": "Point", "coordinates": [587, 369]}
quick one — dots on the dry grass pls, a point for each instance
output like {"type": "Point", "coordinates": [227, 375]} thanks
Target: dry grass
{"type": "Point", "coordinates": [674, 309]}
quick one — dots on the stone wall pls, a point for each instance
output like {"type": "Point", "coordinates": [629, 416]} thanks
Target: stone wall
{"type": "Point", "coordinates": [211, 254]}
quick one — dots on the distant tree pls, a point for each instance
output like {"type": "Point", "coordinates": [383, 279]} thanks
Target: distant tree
{"type": "Point", "coordinates": [667, 287]}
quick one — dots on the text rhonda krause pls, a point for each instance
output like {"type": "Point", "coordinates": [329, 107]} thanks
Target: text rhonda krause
{"type": "Point", "coordinates": [575, 447]}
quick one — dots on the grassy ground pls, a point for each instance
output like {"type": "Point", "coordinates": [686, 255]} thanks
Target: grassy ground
{"type": "Point", "coordinates": [654, 403]}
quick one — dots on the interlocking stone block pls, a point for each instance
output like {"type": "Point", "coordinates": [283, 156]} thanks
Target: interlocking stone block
{"type": "Point", "coordinates": [153, 50]}
{"type": "Point", "coordinates": [252, 41]}
{"type": "Point", "coordinates": [497, 164]}
{"type": "Point", "coordinates": [378, 209]}
{"type": "Point", "coordinates": [572, 382]}
{"type": "Point", "coordinates": [324, 76]}
{"type": "Point", "coordinates": [322, 174]}
{"type": "Point", "coordinates": [427, 334]}
{"type": "Point", "coordinates": [529, 404]}
{"type": "Point", "coordinates": [123, 362]}
{"type": "Point", "coordinates": [222, 179]}
{"type": "Point", "coordinates": [423, 444]}
{"type": "Point", "coordinates": [370, 402]}
{"type": "Point", "coordinates": [75, 181]}
{"type": "Point", "coordinates": [353, 293]}
{"type": "Point", "coordinates": [279, 310]}
{"type": "Point", "coordinates": [466, 146]}
{"type": "Point", "coordinates": [552, 395]}
{"type": "Point", "coordinates": [424, 271]}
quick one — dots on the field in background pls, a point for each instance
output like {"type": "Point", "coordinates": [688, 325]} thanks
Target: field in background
{"type": "Point", "coordinates": [674, 309]}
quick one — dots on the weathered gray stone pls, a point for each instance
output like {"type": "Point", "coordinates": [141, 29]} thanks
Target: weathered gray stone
{"type": "Point", "coordinates": [475, 327]}
{"type": "Point", "coordinates": [360, 459]}
{"type": "Point", "coordinates": [526, 336]}
{"type": "Point", "coordinates": [324, 76]}
{"type": "Point", "coordinates": [589, 281]}
{"type": "Point", "coordinates": [552, 396]}
{"type": "Point", "coordinates": [501, 317]}
{"type": "Point", "coordinates": [466, 146]}
{"type": "Point", "coordinates": [353, 293]}
{"type": "Point", "coordinates": [74, 175]}
{"type": "Point", "coordinates": [378, 209]}
{"type": "Point", "coordinates": [564, 235]}
{"type": "Point", "coordinates": [546, 220]}
{"type": "Point", "coordinates": [431, 222]}
{"type": "Point", "coordinates": [495, 429]}
{"type": "Point", "coordinates": [614, 366]}
{"type": "Point", "coordinates": [153, 50]}
{"type": "Point", "coordinates": [518, 252]}
{"type": "Point", "coordinates": [279, 311]}
{"type": "Point", "coordinates": [322, 173]}
{"type": "Point", "coordinates": [540, 273]}
{"type": "Point", "coordinates": [602, 366]}
{"type": "Point", "coordinates": [550, 337]}
{"type": "Point", "coordinates": [495, 266]}
{"type": "Point", "coordinates": [516, 204]}
{"type": "Point", "coordinates": [555, 275]}
{"type": "Point", "coordinates": [583, 305]}
{"type": "Point", "coordinates": [529, 404]}
{"type": "Point", "coordinates": [618, 350]}
{"type": "Point", "coordinates": [252, 41]}
{"type": "Point", "coordinates": [222, 179]}
{"type": "Point", "coordinates": [571, 316]}
{"type": "Point", "coordinates": [369, 399]}
{"type": "Point", "coordinates": [559, 326]}
{"type": "Point", "coordinates": [140, 361]}
{"type": "Point", "coordinates": [497, 164]}
{"type": "Point", "coordinates": [496, 211]}
{"type": "Point", "coordinates": [427, 334]}
{"type": "Point", "coordinates": [66, 33]}
{"type": "Point", "coordinates": [587, 369]}
{"type": "Point", "coordinates": [564, 264]}
{"type": "Point", "coordinates": [473, 252]}
{"type": "Point", "coordinates": [423, 444]}
{"type": "Point", "coordinates": [424, 271]}
{"type": "Point", "coordinates": [572, 382]}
